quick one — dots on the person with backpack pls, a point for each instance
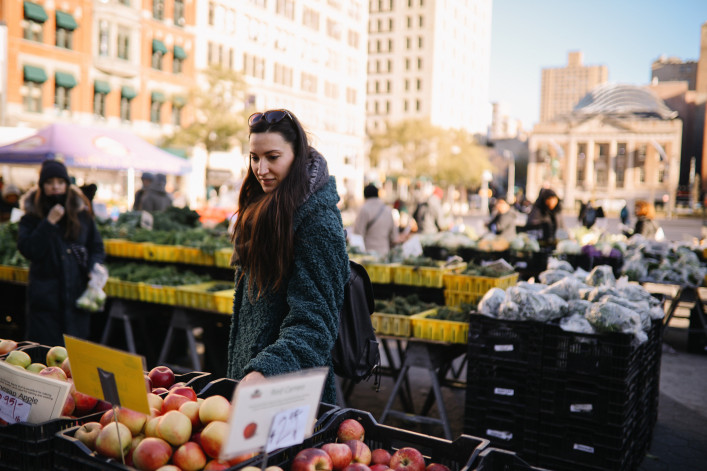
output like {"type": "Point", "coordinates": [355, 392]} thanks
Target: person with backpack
{"type": "Point", "coordinates": [589, 213]}
{"type": "Point", "coordinates": [290, 259]}
{"type": "Point", "coordinates": [374, 222]}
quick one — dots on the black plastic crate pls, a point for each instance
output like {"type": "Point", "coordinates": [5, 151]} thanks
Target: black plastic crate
{"type": "Point", "coordinates": [615, 356]}
{"type": "Point", "coordinates": [457, 455]}
{"type": "Point", "coordinates": [436, 252]}
{"type": "Point", "coordinates": [513, 342]}
{"type": "Point", "coordinates": [474, 255]}
{"type": "Point", "coordinates": [514, 430]}
{"type": "Point", "coordinates": [494, 459]}
{"type": "Point", "coordinates": [489, 383]}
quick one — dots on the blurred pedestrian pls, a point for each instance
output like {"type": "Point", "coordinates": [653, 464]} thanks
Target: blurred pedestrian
{"type": "Point", "coordinates": [147, 178]}
{"type": "Point", "coordinates": [429, 214]}
{"type": "Point", "coordinates": [589, 213]}
{"type": "Point", "coordinates": [59, 237]}
{"type": "Point", "coordinates": [503, 220]}
{"type": "Point", "coordinates": [89, 192]}
{"type": "Point", "coordinates": [155, 198]}
{"type": "Point", "coordinates": [624, 215]}
{"type": "Point", "coordinates": [546, 216]}
{"type": "Point", "coordinates": [375, 224]}
{"type": "Point", "coordinates": [9, 201]}
{"type": "Point", "coordinates": [645, 221]}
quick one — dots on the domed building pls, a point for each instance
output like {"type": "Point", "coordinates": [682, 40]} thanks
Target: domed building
{"type": "Point", "coordinates": [620, 143]}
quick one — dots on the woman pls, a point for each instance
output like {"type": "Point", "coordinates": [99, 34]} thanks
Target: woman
{"type": "Point", "coordinates": [59, 237]}
{"type": "Point", "coordinates": [290, 257]}
{"type": "Point", "coordinates": [546, 215]}
{"type": "Point", "coordinates": [374, 222]}
{"type": "Point", "coordinates": [645, 224]}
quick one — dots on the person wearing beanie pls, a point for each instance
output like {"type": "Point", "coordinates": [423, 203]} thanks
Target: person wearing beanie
{"type": "Point", "coordinates": [375, 223]}
{"type": "Point", "coordinates": [147, 178]}
{"type": "Point", "coordinates": [155, 197]}
{"type": "Point", "coordinates": [9, 201]}
{"type": "Point", "coordinates": [59, 237]}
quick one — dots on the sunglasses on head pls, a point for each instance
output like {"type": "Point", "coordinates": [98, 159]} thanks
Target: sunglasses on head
{"type": "Point", "coordinates": [271, 116]}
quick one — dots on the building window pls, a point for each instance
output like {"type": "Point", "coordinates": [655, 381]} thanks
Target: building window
{"type": "Point", "coordinates": [422, 21]}
{"type": "Point", "coordinates": [390, 45]}
{"type": "Point", "coordinates": [158, 52]}
{"type": "Point", "coordinates": [407, 63]}
{"type": "Point", "coordinates": [418, 105]}
{"type": "Point", "coordinates": [35, 16]}
{"type": "Point", "coordinates": [63, 84]}
{"type": "Point", "coordinates": [620, 165]}
{"type": "Point", "coordinates": [407, 85]}
{"type": "Point", "coordinates": [419, 42]}
{"type": "Point", "coordinates": [409, 20]}
{"type": "Point", "coordinates": [419, 84]}
{"type": "Point", "coordinates": [408, 43]}
{"type": "Point", "coordinates": [177, 107]}
{"type": "Point", "coordinates": [581, 161]}
{"type": "Point", "coordinates": [65, 26]}
{"type": "Point", "coordinates": [158, 9]}
{"type": "Point", "coordinates": [179, 55]}
{"type": "Point", "coordinates": [126, 103]}
{"type": "Point", "coordinates": [661, 174]}
{"type": "Point", "coordinates": [310, 18]}
{"type": "Point", "coordinates": [641, 153]}
{"type": "Point", "coordinates": [333, 29]}
{"type": "Point", "coordinates": [419, 63]}
{"type": "Point", "coordinates": [33, 77]}
{"type": "Point", "coordinates": [179, 19]}
{"type": "Point", "coordinates": [390, 65]}
{"type": "Point", "coordinates": [353, 39]}
{"type": "Point", "coordinates": [124, 44]}
{"type": "Point", "coordinates": [406, 105]}
{"type": "Point", "coordinates": [212, 13]}
{"type": "Point", "coordinates": [100, 92]}
{"type": "Point", "coordinates": [308, 83]}
{"type": "Point", "coordinates": [350, 96]}
{"type": "Point", "coordinates": [103, 38]}
{"type": "Point", "coordinates": [156, 101]}
{"type": "Point", "coordinates": [285, 8]}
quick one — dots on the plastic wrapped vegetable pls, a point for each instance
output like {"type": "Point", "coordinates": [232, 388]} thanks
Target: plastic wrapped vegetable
{"type": "Point", "coordinates": [576, 323]}
{"type": "Point", "coordinates": [606, 316]}
{"type": "Point", "coordinates": [549, 277]}
{"type": "Point", "coordinates": [635, 268]}
{"type": "Point", "coordinates": [537, 287]}
{"type": "Point", "coordinates": [491, 302]}
{"type": "Point", "coordinates": [568, 247]}
{"type": "Point", "coordinates": [578, 306]}
{"type": "Point", "coordinates": [601, 275]}
{"type": "Point", "coordinates": [555, 264]}
{"type": "Point", "coordinates": [93, 299]}
{"type": "Point", "coordinates": [595, 294]}
{"type": "Point", "coordinates": [520, 304]}
{"type": "Point", "coordinates": [567, 288]}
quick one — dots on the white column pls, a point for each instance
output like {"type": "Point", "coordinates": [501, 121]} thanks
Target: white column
{"type": "Point", "coordinates": [571, 174]}
{"type": "Point", "coordinates": [589, 181]}
{"type": "Point", "coordinates": [613, 149]}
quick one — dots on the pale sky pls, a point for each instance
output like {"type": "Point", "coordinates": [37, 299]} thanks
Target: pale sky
{"type": "Point", "coordinates": [625, 35]}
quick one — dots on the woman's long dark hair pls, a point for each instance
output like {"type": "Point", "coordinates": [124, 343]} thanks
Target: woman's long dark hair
{"type": "Point", "coordinates": [263, 236]}
{"type": "Point", "coordinates": [73, 206]}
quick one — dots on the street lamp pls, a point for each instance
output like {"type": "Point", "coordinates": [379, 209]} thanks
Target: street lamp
{"type": "Point", "coordinates": [510, 192]}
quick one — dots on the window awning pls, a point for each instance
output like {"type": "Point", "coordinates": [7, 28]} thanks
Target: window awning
{"type": "Point", "coordinates": [180, 53]}
{"type": "Point", "coordinates": [66, 80]}
{"type": "Point", "coordinates": [35, 11]}
{"type": "Point", "coordinates": [158, 97]}
{"type": "Point", "coordinates": [66, 21]}
{"type": "Point", "coordinates": [100, 86]}
{"type": "Point", "coordinates": [128, 92]}
{"type": "Point", "coordinates": [158, 46]}
{"type": "Point", "coordinates": [179, 101]}
{"type": "Point", "coordinates": [34, 74]}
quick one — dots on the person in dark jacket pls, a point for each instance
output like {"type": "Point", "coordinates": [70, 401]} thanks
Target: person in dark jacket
{"type": "Point", "coordinates": [59, 237]}
{"type": "Point", "coordinates": [503, 222]}
{"type": "Point", "coordinates": [155, 198]}
{"type": "Point", "coordinates": [147, 178]}
{"type": "Point", "coordinates": [290, 257]}
{"type": "Point", "coordinates": [546, 216]}
{"type": "Point", "coordinates": [9, 201]}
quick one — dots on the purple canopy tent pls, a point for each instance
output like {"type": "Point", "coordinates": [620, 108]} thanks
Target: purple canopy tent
{"type": "Point", "coordinates": [92, 147]}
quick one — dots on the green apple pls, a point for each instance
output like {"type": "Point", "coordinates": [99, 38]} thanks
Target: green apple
{"type": "Point", "coordinates": [56, 356]}
{"type": "Point", "coordinates": [18, 358]}
{"type": "Point", "coordinates": [36, 367]}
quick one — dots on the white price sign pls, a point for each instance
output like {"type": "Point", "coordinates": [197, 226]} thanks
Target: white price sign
{"type": "Point", "coordinates": [273, 413]}
{"type": "Point", "coordinates": [287, 428]}
{"type": "Point", "coordinates": [13, 410]}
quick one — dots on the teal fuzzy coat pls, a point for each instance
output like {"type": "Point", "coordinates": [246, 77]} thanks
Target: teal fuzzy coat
{"type": "Point", "coordinates": [295, 328]}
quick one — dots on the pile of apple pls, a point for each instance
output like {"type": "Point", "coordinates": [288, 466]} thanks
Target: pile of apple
{"type": "Point", "coordinates": [350, 453]}
{"type": "Point", "coordinates": [182, 431]}
{"type": "Point", "coordinates": [58, 367]}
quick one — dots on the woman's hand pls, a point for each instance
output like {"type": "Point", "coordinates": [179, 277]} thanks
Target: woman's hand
{"type": "Point", "coordinates": [56, 213]}
{"type": "Point", "coordinates": [252, 377]}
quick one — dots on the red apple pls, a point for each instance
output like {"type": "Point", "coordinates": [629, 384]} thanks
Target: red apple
{"type": "Point", "coordinates": [379, 467]}
{"type": "Point", "coordinates": [53, 372]}
{"type": "Point", "coordinates": [189, 457]}
{"type": "Point", "coordinates": [7, 345]}
{"type": "Point", "coordinates": [213, 436]}
{"type": "Point", "coordinates": [66, 366]}
{"type": "Point", "coordinates": [357, 467]}
{"type": "Point", "coordinates": [340, 454]}
{"type": "Point", "coordinates": [311, 459]}
{"type": "Point", "coordinates": [350, 429]}
{"type": "Point", "coordinates": [69, 406]}
{"type": "Point", "coordinates": [148, 384]}
{"type": "Point", "coordinates": [187, 391]}
{"type": "Point", "coordinates": [84, 402]}
{"type": "Point", "coordinates": [173, 402]}
{"type": "Point", "coordinates": [177, 385]}
{"type": "Point", "coordinates": [135, 421]}
{"type": "Point", "coordinates": [19, 358]}
{"type": "Point", "coordinates": [161, 377]}
{"type": "Point", "coordinates": [151, 453]}
{"type": "Point", "coordinates": [407, 459]}
{"type": "Point", "coordinates": [133, 445]}
{"type": "Point", "coordinates": [160, 391]}
{"type": "Point", "coordinates": [241, 458]}
{"type": "Point", "coordinates": [56, 356]}
{"type": "Point", "coordinates": [88, 433]}
{"type": "Point", "coordinates": [151, 426]}
{"type": "Point", "coordinates": [107, 417]}
{"type": "Point", "coordinates": [436, 467]}
{"type": "Point", "coordinates": [114, 440]}
{"type": "Point", "coordinates": [380, 456]}
{"type": "Point", "coordinates": [191, 410]}
{"type": "Point", "coordinates": [214, 408]}
{"type": "Point", "coordinates": [103, 406]}
{"type": "Point", "coordinates": [216, 465]}
{"type": "Point", "coordinates": [169, 467]}
{"type": "Point", "coordinates": [174, 427]}
{"type": "Point", "coordinates": [360, 452]}
{"type": "Point", "coordinates": [154, 401]}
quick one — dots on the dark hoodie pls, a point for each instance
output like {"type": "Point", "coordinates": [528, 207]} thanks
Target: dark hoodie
{"type": "Point", "coordinates": [58, 272]}
{"type": "Point", "coordinates": [155, 197]}
{"type": "Point", "coordinates": [296, 327]}
{"type": "Point", "coordinates": [543, 218]}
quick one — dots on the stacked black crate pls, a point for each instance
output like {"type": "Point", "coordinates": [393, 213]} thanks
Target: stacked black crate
{"type": "Point", "coordinates": [651, 384]}
{"type": "Point", "coordinates": [503, 383]}
{"type": "Point", "coordinates": [592, 403]}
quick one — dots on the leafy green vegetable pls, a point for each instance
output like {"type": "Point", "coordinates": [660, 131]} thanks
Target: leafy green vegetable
{"type": "Point", "coordinates": [407, 305]}
{"type": "Point", "coordinates": [154, 275]}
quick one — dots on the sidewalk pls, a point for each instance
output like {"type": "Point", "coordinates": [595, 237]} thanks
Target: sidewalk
{"type": "Point", "coordinates": [679, 438]}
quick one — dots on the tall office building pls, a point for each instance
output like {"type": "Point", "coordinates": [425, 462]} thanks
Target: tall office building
{"type": "Point", "coordinates": [563, 87]}
{"type": "Point", "coordinates": [674, 69]}
{"type": "Point", "coordinates": [308, 57]}
{"type": "Point", "coordinates": [429, 59]}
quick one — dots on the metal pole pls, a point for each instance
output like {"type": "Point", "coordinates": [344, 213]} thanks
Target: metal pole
{"type": "Point", "coordinates": [510, 192]}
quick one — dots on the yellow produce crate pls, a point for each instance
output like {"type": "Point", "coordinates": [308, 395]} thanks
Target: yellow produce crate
{"type": "Point", "coordinates": [116, 288]}
{"type": "Point", "coordinates": [222, 258]}
{"type": "Point", "coordinates": [224, 301]}
{"type": "Point", "coordinates": [399, 325]}
{"type": "Point", "coordinates": [380, 272]}
{"type": "Point", "coordinates": [162, 253]}
{"type": "Point", "coordinates": [431, 277]}
{"type": "Point", "coordinates": [197, 296]}
{"type": "Point", "coordinates": [439, 330]}
{"type": "Point", "coordinates": [477, 285]}
{"type": "Point", "coordinates": [456, 298]}
{"type": "Point", "coordinates": [21, 274]}
{"type": "Point", "coordinates": [7, 273]}
{"type": "Point", "coordinates": [124, 248]}
{"type": "Point", "coordinates": [158, 294]}
{"type": "Point", "coordinates": [195, 256]}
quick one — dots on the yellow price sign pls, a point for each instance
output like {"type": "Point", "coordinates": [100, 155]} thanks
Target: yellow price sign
{"type": "Point", "coordinates": [109, 374]}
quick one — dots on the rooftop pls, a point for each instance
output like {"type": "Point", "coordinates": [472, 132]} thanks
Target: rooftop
{"type": "Point", "coordinates": [620, 99]}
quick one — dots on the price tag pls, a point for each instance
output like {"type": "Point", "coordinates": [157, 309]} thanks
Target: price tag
{"type": "Point", "coordinates": [13, 410]}
{"type": "Point", "coordinates": [109, 374]}
{"type": "Point", "coordinates": [275, 412]}
{"type": "Point", "coordinates": [287, 428]}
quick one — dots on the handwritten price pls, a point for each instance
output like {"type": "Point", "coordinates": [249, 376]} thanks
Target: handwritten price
{"type": "Point", "coordinates": [287, 428]}
{"type": "Point", "coordinates": [12, 409]}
